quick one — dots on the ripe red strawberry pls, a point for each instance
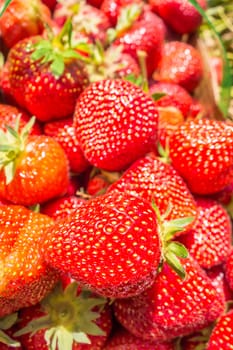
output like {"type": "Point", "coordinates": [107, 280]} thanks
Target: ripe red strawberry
{"type": "Point", "coordinates": [146, 35]}
{"type": "Point", "coordinates": [229, 269]}
{"type": "Point", "coordinates": [52, 128]}
{"type": "Point", "coordinates": [87, 20]}
{"type": "Point", "coordinates": [68, 140]}
{"type": "Point", "coordinates": [23, 19]}
{"type": "Point", "coordinates": [25, 278]}
{"type": "Point", "coordinates": [121, 339]}
{"type": "Point", "coordinates": [202, 152]}
{"type": "Point", "coordinates": [61, 207]}
{"type": "Point", "coordinates": [50, 3]}
{"type": "Point", "coordinates": [9, 115]}
{"type": "Point", "coordinates": [209, 240]}
{"type": "Point", "coordinates": [34, 168]}
{"type": "Point", "coordinates": [66, 317]}
{"type": "Point", "coordinates": [112, 8]}
{"type": "Point", "coordinates": [171, 307]}
{"type": "Point", "coordinates": [181, 15]}
{"type": "Point", "coordinates": [181, 64]}
{"type": "Point", "coordinates": [218, 278]}
{"type": "Point", "coordinates": [174, 96]}
{"type": "Point", "coordinates": [154, 180]}
{"type": "Point", "coordinates": [119, 125]}
{"type": "Point", "coordinates": [97, 185]}
{"type": "Point", "coordinates": [110, 244]}
{"type": "Point", "coordinates": [47, 79]}
{"type": "Point", "coordinates": [222, 335]}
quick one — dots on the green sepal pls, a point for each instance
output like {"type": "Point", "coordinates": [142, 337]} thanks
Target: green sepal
{"type": "Point", "coordinates": [178, 249]}
{"type": "Point", "coordinates": [173, 226]}
{"type": "Point", "coordinates": [158, 95]}
{"type": "Point", "coordinates": [136, 80]}
{"type": "Point", "coordinates": [175, 264]}
{"type": "Point", "coordinates": [4, 7]}
{"type": "Point", "coordinates": [35, 208]}
{"type": "Point", "coordinates": [8, 321]}
{"type": "Point", "coordinates": [5, 339]}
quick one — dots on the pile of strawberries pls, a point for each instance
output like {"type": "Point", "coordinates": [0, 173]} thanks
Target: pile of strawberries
{"type": "Point", "coordinates": [116, 184]}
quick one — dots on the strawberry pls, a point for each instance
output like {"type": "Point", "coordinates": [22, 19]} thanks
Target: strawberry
{"type": "Point", "coordinates": [9, 115]}
{"type": "Point", "coordinates": [222, 335]}
{"type": "Point", "coordinates": [219, 281]}
{"type": "Point", "coordinates": [180, 15]}
{"type": "Point", "coordinates": [171, 307]}
{"type": "Point", "coordinates": [209, 240]}
{"type": "Point", "coordinates": [48, 78]}
{"type": "Point", "coordinates": [174, 96]}
{"type": "Point", "coordinates": [50, 3]}
{"type": "Point", "coordinates": [202, 152]}
{"type": "Point", "coordinates": [52, 128]}
{"type": "Point", "coordinates": [23, 19]}
{"type": "Point", "coordinates": [25, 278]}
{"type": "Point", "coordinates": [97, 185]}
{"type": "Point", "coordinates": [61, 207]}
{"type": "Point", "coordinates": [154, 180]}
{"type": "Point", "coordinates": [122, 246]}
{"type": "Point", "coordinates": [34, 168]}
{"type": "Point", "coordinates": [123, 340]}
{"type": "Point", "coordinates": [229, 269]}
{"type": "Point", "coordinates": [65, 319]}
{"type": "Point", "coordinates": [112, 8]}
{"type": "Point", "coordinates": [181, 64]}
{"type": "Point", "coordinates": [119, 126]}
{"type": "Point", "coordinates": [66, 137]}
{"type": "Point", "coordinates": [88, 20]}
{"type": "Point", "coordinates": [146, 35]}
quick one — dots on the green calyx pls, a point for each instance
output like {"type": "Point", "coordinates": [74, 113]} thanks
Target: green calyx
{"type": "Point", "coordinates": [6, 323]}
{"type": "Point", "coordinates": [68, 317]}
{"type": "Point", "coordinates": [128, 15]}
{"type": "Point", "coordinates": [172, 251]}
{"type": "Point", "coordinates": [57, 50]}
{"type": "Point", "coordinates": [12, 146]}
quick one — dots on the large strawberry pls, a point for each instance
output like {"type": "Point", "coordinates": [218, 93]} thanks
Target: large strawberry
{"type": "Point", "coordinates": [25, 278]}
{"type": "Point", "coordinates": [180, 63]}
{"type": "Point", "coordinates": [154, 180]}
{"type": "Point", "coordinates": [119, 125]}
{"type": "Point", "coordinates": [67, 318]}
{"type": "Point", "coordinates": [171, 307]}
{"type": "Point", "coordinates": [222, 335]}
{"type": "Point", "coordinates": [202, 152]}
{"type": "Point", "coordinates": [181, 15]}
{"type": "Point", "coordinates": [23, 19]}
{"type": "Point", "coordinates": [112, 245]}
{"type": "Point", "coordinates": [209, 240]}
{"type": "Point", "coordinates": [34, 168]}
{"type": "Point", "coordinates": [49, 76]}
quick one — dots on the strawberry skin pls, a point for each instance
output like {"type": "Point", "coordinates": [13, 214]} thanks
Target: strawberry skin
{"type": "Point", "coordinates": [41, 173]}
{"type": "Point", "coordinates": [202, 152]}
{"type": "Point", "coordinates": [119, 125]}
{"type": "Point", "coordinates": [181, 15]}
{"type": "Point", "coordinates": [181, 64]}
{"type": "Point", "coordinates": [209, 240]}
{"type": "Point", "coordinates": [37, 89]}
{"type": "Point", "coordinates": [110, 245]}
{"type": "Point", "coordinates": [222, 335]}
{"type": "Point", "coordinates": [171, 307]}
{"type": "Point", "coordinates": [229, 269]}
{"type": "Point", "coordinates": [152, 179]}
{"type": "Point", "coordinates": [60, 208]}
{"type": "Point", "coordinates": [25, 277]}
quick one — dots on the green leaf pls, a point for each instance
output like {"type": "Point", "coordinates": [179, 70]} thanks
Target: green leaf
{"type": "Point", "coordinates": [175, 264]}
{"type": "Point", "coordinates": [178, 249]}
{"type": "Point", "coordinates": [158, 95]}
{"type": "Point", "coordinates": [226, 84]}
{"type": "Point", "coordinates": [58, 66]}
{"type": "Point", "coordinates": [4, 7]}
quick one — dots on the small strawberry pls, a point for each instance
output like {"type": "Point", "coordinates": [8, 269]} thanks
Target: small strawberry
{"type": "Point", "coordinates": [123, 340]}
{"type": "Point", "coordinates": [222, 335]}
{"type": "Point", "coordinates": [25, 278]}
{"type": "Point", "coordinates": [181, 64]}
{"type": "Point", "coordinates": [119, 126]}
{"type": "Point", "coordinates": [174, 96]}
{"type": "Point", "coordinates": [68, 140]}
{"type": "Point", "coordinates": [180, 15]}
{"type": "Point", "coordinates": [23, 19]}
{"type": "Point", "coordinates": [48, 78]}
{"type": "Point", "coordinates": [112, 245]}
{"type": "Point", "coordinates": [202, 152]}
{"type": "Point", "coordinates": [61, 207]}
{"type": "Point", "coordinates": [171, 307]}
{"type": "Point", "coordinates": [154, 180]}
{"type": "Point", "coordinates": [97, 184]}
{"type": "Point", "coordinates": [65, 319]}
{"type": "Point", "coordinates": [34, 168]}
{"type": "Point", "coordinates": [209, 240]}
{"type": "Point", "coordinates": [9, 115]}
